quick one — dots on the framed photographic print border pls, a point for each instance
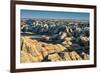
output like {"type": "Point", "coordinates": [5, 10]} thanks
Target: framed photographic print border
{"type": "Point", "coordinates": [13, 35]}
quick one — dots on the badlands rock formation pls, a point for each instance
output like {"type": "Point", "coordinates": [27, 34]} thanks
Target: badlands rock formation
{"type": "Point", "coordinates": [38, 51]}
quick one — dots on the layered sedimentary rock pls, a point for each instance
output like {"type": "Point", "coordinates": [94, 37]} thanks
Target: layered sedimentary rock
{"type": "Point", "coordinates": [54, 57]}
{"type": "Point", "coordinates": [37, 51]}
{"type": "Point", "coordinates": [67, 42]}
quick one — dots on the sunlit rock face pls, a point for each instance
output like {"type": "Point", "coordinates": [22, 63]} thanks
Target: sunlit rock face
{"type": "Point", "coordinates": [35, 51]}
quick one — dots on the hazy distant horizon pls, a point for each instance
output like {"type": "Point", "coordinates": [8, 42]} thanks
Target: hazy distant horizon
{"type": "Point", "coordinates": [38, 14]}
{"type": "Point", "coordinates": [56, 19]}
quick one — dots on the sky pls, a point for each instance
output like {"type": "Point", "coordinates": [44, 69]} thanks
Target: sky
{"type": "Point", "coordinates": [54, 14]}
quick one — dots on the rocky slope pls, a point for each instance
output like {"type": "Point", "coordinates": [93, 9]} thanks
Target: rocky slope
{"type": "Point", "coordinates": [38, 51]}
